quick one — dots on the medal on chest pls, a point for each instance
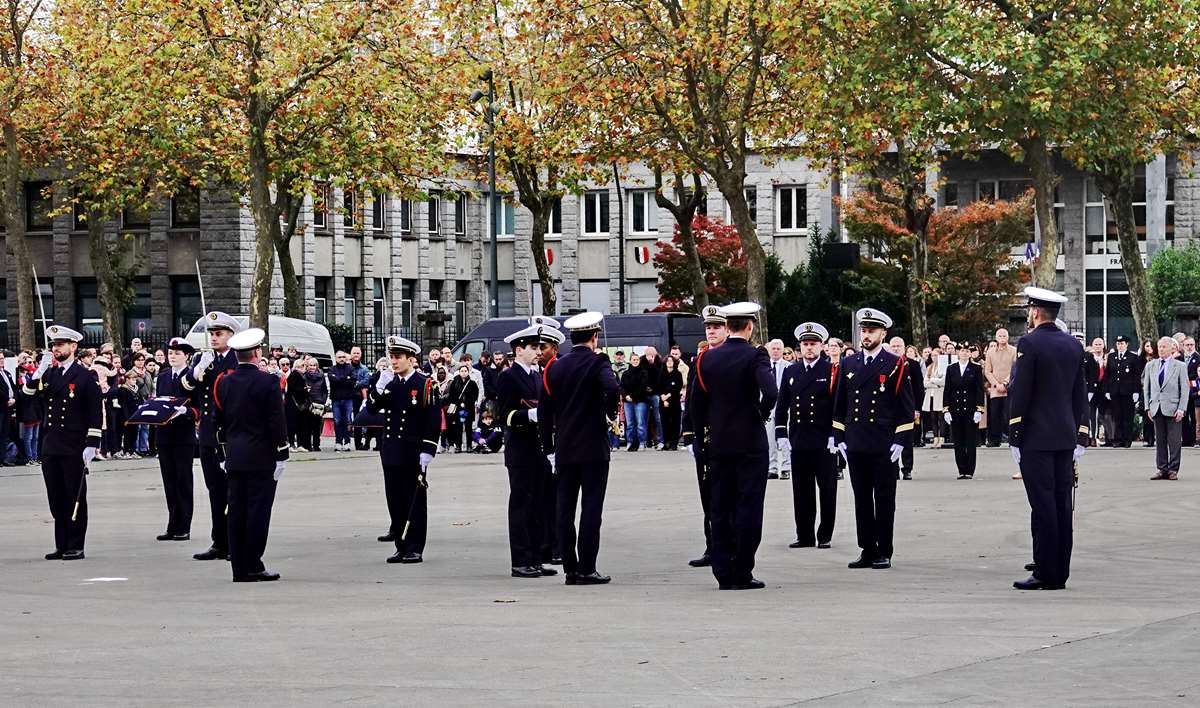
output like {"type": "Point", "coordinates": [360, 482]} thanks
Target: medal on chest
{"type": "Point", "coordinates": [414, 396]}
{"type": "Point", "coordinates": [882, 381]}
{"type": "Point", "coordinates": [70, 390]}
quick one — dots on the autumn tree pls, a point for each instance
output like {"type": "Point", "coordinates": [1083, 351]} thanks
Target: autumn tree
{"type": "Point", "coordinates": [709, 82]}
{"type": "Point", "coordinates": [26, 130]}
{"type": "Point", "coordinates": [722, 263]}
{"type": "Point", "coordinates": [684, 208]}
{"type": "Point", "coordinates": [312, 92]}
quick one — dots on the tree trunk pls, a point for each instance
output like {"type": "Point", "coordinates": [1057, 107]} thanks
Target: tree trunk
{"type": "Point", "coordinates": [264, 214]}
{"type": "Point", "coordinates": [288, 206]}
{"type": "Point", "coordinates": [1041, 165]}
{"type": "Point", "coordinates": [112, 305]}
{"type": "Point", "coordinates": [684, 210]}
{"type": "Point", "coordinates": [537, 243]}
{"type": "Point", "coordinates": [917, 210]}
{"type": "Point", "coordinates": [732, 185]}
{"type": "Point", "coordinates": [14, 223]}
{"type": "Point", "coordinates": [1115, 179]}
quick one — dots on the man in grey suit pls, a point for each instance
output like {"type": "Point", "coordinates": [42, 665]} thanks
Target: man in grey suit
{"type": "Point", "coordinates": [1165, 387]}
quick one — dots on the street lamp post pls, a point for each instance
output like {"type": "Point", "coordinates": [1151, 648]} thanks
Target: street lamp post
{"type": "Point", "coordinates": [490, 117]}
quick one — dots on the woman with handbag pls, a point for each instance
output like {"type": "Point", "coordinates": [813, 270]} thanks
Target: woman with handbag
{"type": "Point", "coordinates": [318, 393]}
{"type": "Point", "coordinates": [460, 411]}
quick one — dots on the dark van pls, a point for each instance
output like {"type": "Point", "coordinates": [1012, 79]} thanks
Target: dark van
{"type": "Point", "coordinates": [627, 332]}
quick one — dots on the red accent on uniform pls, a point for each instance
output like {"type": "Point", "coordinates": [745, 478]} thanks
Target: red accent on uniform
{"type": "Point", "coordinates": [900, 377]}
{"type": "Point", "coordinates": [545, 371]}
{"type": "Point", "coordinates": [699, 378]}
{"type": "Point", "coordinates": [217, 398]}
{"type": "Point", "coordinates": [832, 378]}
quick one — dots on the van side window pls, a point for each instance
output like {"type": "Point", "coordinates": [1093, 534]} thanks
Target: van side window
{"type": "Point", "coordinates": [474, 348]}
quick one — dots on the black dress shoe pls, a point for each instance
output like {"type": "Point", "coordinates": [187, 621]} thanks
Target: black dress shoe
{"type": "Point", "coordinates": [785, 475]}
{"type": "Point", "coordinates": [863, 561]}
{"type": "Point", "coordinates": [182, 537]}
{"type": "Point", "coordinates": [411, 558]}
{"type": "Point", "coordinates": [823, 544]}
{"type": "Point", "coordinates": [962, 476]}
{"type": "Point", "coordinates": [211, 554]}
{"type": "Point", "coordinates": [702, 562]}
{"type": "Point", "coordinates": [1031, 567]}
{"type": "Point", "coordinates": [387, 538]}
{"type": "Point", "coordinates": [801, 544]}
{"type": "Point", "coordinates": [754, 584]}
{"type": "Point", "coordinates": [592, 579]}
{"type": "Point", "coordinates": [164, 537]}
{"type": "Point", "coordinates": [547, 572]}
{"type": "Point", "coordinates": [263, 576]}
{"type": "Point", "coordinates": [881, 563]}
{"type": "Point", "coordinates": [54, 555]}
{"type": "Point", "coordinates": [72, 555]}
{"type": "Point", "coordinates": [526, 571]}
{"type": "Point", "coordinates": [572, 579]}
{"type": "Point", "coordinates": [773, 475]}
{"type": "Point", "coordinates": [908, 475]}
{"type": "Point", "coordinates": [395, 557]}
{"type": "Point", "coordinates": [1032, 583]}
{"type": "Point", "coordinates": [555, 560]}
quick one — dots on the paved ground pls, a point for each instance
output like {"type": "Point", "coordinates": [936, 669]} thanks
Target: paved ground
{"type": "Point", "coordinates": [943, 626]}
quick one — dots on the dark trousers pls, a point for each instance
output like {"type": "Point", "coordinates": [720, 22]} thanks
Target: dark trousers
{"type": "Point", "coordinates": [362, 438]}
{"type": "Point", "coordinates": [589, 481]}
{"type": "Point", "coordinates": [905, 465]}
{"type": "Point", "coordinates": [251, 496]}
{"type": "Point", "coordinates": [175, 464]}
{"type": "Point", "coordinates": [65, 478]}
{"type": "Point", "coordinates": [524, 527]}
{"type": "Point", "coordinates": [1169, 434]}
{"type": "Point", "coordinates": [403, 495]}
{"type": "Point", "coordinates": [546, 505]}
{"type": "Point", "coordinates": [1049, 479]}
{"type": "Point", "coordinates": [964, 443]}
{"type": "Point", "coordinates": [997, 420]}
{"type": "Point", "coordinates": [1096, 415]}
{"type": "Point", "coordinates": [670, 421]}
{"type": "Point", "coordinates": [809, 468]}
{"type": "Point", "coordinates": [1122, 413]}
{"type": "Point", "coordinates": [1189, 423]}
{"type": "Point", "coordinates": [873, 478]}
{"type": "Point", "coordinates": [458, 428]}
{"type": "Point", "coordinates": [738, 485]}
{"type": "Point", "coordinates": [702, 481]}
{"type": "Point", "coordinates": [218, 495]}
{"type": "Point", "coordinates": [315, 426]}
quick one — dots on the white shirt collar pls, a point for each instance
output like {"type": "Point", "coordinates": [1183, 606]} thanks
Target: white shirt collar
{"type": "Point", "coordinates": [527, 367]}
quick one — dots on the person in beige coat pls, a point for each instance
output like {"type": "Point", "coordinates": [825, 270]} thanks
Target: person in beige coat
{"type": "Point", "coordinates": [998, 370]}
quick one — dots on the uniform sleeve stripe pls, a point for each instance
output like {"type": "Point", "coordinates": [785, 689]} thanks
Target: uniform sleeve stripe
{"type": "Point", "coordinates": [781, 427]}
{"type": "Point", "coordinates": [183, 380]}
{"type": "Point", "coordinates": [838, 425]}
{"type": "Point", "coordinates": [431, 442]}
{"type": "Point", "coordinates": [93, 432]}
{"type": "Point", "coordinates": [282, 447]}
{"type": "Point", "coordinates": [1084, 429]}
{"type": "Point", "coordinates": [28, 391]}
{"type": "Point", "coordinates": [1014, 421]}
{"type": "Point", "coordinates": [902, 428]}
{"type": "Point", "coordinates": [508, 420]}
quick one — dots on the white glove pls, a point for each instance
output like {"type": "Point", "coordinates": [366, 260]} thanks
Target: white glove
{"type": "Point", "coordinates": [1090, 397]}
{"type": "Point", "coordinates": [1016, 455]}
{"type": "Point", "coordinates": [532, 412]}
{"type": "Point", "coordinates": [1078, 454]}
{"type": "Point", "coordinates": [784, 444]}
{"type": "Point", "coordinates": [977, 417]}
{"type": "Point", "coordinates": [550, 459]}
{"type": "Point", "coordinates": [1108, 396]}
{"type": "Point", "coordinates": [43, 365]}
{"type": "Point", "coordinates": [89, 454]}
{"type": "Point", "coordinates": [426, 458]}
{"type": "Point", "coordinates": [181, 410]}
{"type": "Point", "coordinates": [949, 418]}
{"type": "Point", "coordinates": [385, 378]}
{"type": "Point", "coordinates": [279, 468]}
{"type": "Point", "coordinates": [829, 445]}
{"type": "Point", "coordinates": [206, 359]}
{"type": "Point", "coordinates": [895, 452]}
{"type": "Point", "coordinates": [845, 455]}
{"type": "Point", "coordinates": [691, 450]}
{"type": "Point", "coordinates": [1136, 396]}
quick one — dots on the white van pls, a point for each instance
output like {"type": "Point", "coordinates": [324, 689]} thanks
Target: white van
{"type": "Point", "coordinates": [307, 337]}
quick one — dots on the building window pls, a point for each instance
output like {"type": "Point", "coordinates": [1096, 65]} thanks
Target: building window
{"type": "Point", "coordinates": [950, 195]}
{"type": "Point", "coordinates": [535, 297]}
{"type": "Point", "coordinates": [506, 299]}
{"type": "Point", "coordinates": [505, 216]}
{"type": "Point", "coordinates": [136, 217]}
{"type": "Point", "coordinates": [137, 313]}
{"type": "Point", "coordinates": [378, 210]}
{"type": "Point", "coordinates": [321, 299]}
{"type": "Point", "coordinates": [378, 289]}
{"type": "Point", "coordinates": [1107, 309]}
{"type": "Point", "coordinates": [406, 216]}
{"type": "Point", "coordinates": [351, 219]}
{"type": "Point", "coordinates": [460, 215]}
{"type": "Point", "coordinates": [1172, 169]}
{"type": "Point", "coordinates": [39, 203]}
{"type": "Point", "coordinates": [185, 303]}
{"type": "Point", "coordinates": [593, 295]}
{"type": "Point", "coordinates": [408, 293]}
{"type": "Point", "coordinates": [792, 209]}
{"type": "Point", "coordinates": [433, 213]}
{"type": "Point", "coordinates": [321, 207]}
{"type": "Point", "coordinates": [185, 208]}
{"type": "Point", "coordinates": [751, 202]}
{"type": "Point", "coordinates": [1093, 217]}
{"type": "Point", "coordinates": [595, 214]}
{"type": "Point", "coordinates": [350, 299]}
{"type": "Point", "coordinates": [435, 295]}
{"type": "Point", "coordinates": [460, 307]}
{"type": "Point", "coordinates": [3, 311]}
{"type": "Point", "coordinates": [554, 227]}
{"type": "Point", "coordinates": [643, 212]}
{"type": "Point", "coordinates": [88, 316]}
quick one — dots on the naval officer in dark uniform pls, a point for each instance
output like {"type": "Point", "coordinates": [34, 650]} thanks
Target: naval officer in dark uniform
{"type": "Point", "coordinates": [550, 339]}
{"type": "Point", "coordinates": [715, 333]}
{"type": "Point", "coordinates": [578, 398]}
{"type": "Point", "coordinates": [872, 422]}
{"type": "Point", "coordinates": [517, 390]}
{"type": "Point", "coordinates": [735, 394]}
{"type": "Point", "coordinates": [176, 442]}
{"type": "Point", "coordinates": [804, 427]}
{"type": "Point", "coordinates": [199, 378]}
{"type": "Point", "coordinates": [408, 400]}
{"type": "Point", "coordinates": [962, 407]}
{"type": "Point", "coordinates": [70, 437]}
{"type": "Point", "coordinates": [1048, 432]}
{"type": "Point", "coordinates": [251, 429]}
{"type": "Point", "coordinates": [1122, 381]}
